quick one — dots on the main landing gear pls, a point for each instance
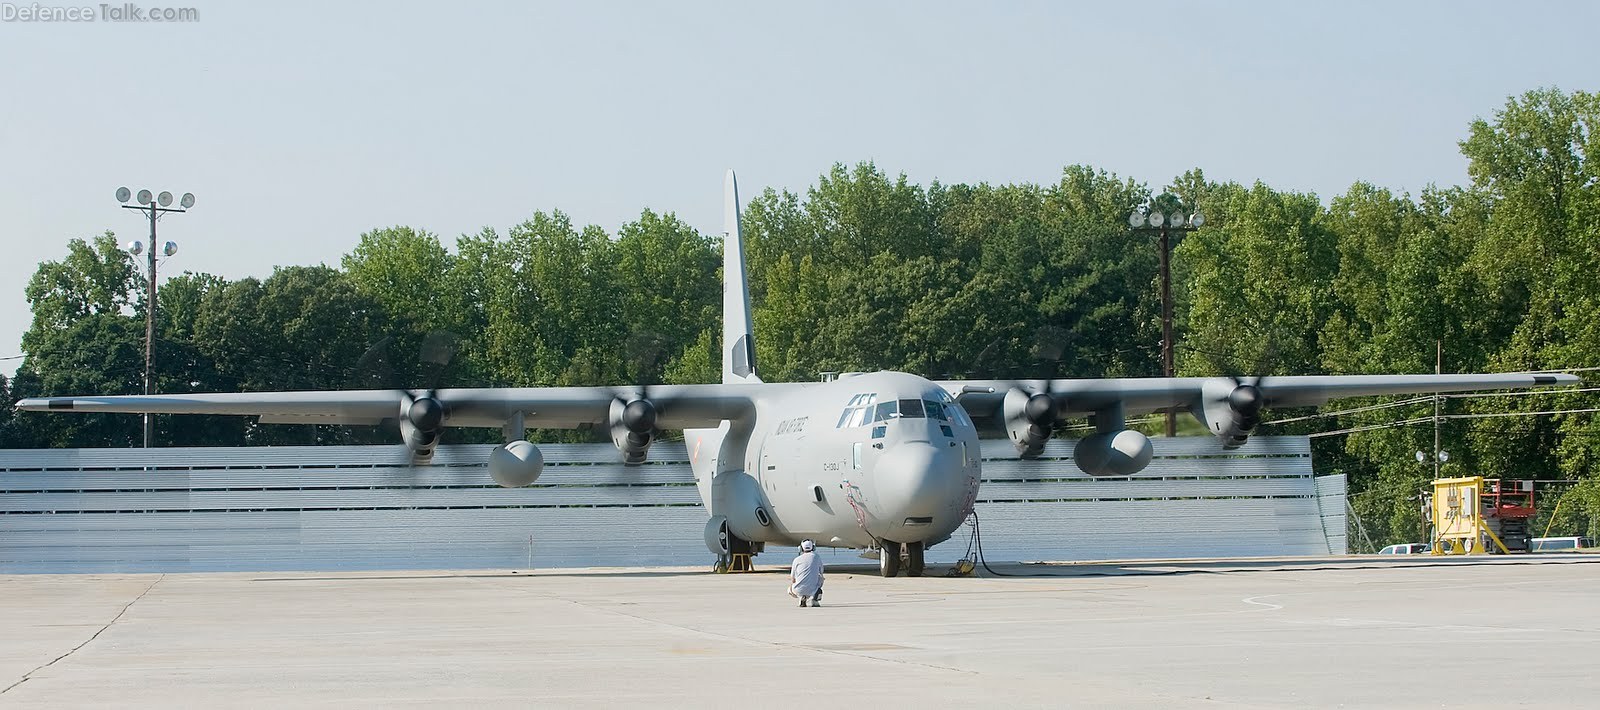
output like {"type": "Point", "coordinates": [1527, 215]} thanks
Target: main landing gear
{"type": "Point", "coordinates": [889, 561]}
{"type": "Point", "coordinates": [734, 554]}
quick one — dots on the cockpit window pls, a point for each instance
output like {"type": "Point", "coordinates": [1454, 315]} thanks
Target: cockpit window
{"type": "Point", "coordinates": [859, 416]}
{"type": "Point", "coordinates": [957, 414]}
{"type": "Point", "coordinates": [865, 409]}
{"type": "Point", "coordinates": [858, 411]}
{"type": "Point", "coordinates": [885, 411]}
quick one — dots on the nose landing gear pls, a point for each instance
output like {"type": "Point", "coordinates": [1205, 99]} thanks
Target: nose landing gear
{"type": "Point", "coordinates": [889, 558]}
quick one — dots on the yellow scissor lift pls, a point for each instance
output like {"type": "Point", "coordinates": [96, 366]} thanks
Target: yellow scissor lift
{"type": "Point", "coordinates": [1456, 511]}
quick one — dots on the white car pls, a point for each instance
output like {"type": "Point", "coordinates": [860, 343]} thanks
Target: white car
{"type": "Point", "coordinates": [1560, 544]}
{"type": "Point", "coordinates": [1407, 548]}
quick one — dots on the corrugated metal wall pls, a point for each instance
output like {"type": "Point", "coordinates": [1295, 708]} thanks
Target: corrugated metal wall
{"type": "Point", "coordinates": [325, 508]}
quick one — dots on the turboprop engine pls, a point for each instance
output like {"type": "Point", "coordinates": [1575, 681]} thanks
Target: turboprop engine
{"type": "Point", "coordinates": [1029, 420]}
{"type": "Point", "coordinates": [516, 464]}
{"type": "Point", "coordinates": [1113, 453]}
{"type": "Point", "coordinates": [421, 423]}
{"type": "Point", "coordinates": [633, 428]}
{"type": "Point", "coordinates": [1231, 409]}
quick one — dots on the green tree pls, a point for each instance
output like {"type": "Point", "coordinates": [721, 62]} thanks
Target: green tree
{"type": "Point", "coordinates": [303, 328]}
{"type": "Point", "coordinates": [85, 339]}
{"type": "Point", "coordinates": [552, 304]}
{"type": "Point", "coordinates": [666, 273]}
{"type": "Point", "coordinates": [7, 407]}
{"type": "Point", "coordinates": [1259, 284]}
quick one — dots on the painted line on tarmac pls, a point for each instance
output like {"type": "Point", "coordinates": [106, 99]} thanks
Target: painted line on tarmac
{"type": "Point", "coordinates": [1269, 605]}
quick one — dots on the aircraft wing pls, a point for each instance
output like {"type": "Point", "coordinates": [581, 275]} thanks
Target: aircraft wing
{"type": "Point", "coordinates": [1141, 395]}
{"type": "Point", "coordinates": [677, 406]}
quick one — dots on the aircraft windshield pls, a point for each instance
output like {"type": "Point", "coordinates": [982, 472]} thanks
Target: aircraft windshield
{"type": "Point", "coordinates": [865, 409]}
{"type": "Point", "coordinates": [858, 411]}
{"type": "Point", "coordinates": [885, 410]}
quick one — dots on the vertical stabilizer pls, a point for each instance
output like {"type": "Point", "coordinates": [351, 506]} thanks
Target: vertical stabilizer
{"type": "Point", "coordinates": [738, 342]}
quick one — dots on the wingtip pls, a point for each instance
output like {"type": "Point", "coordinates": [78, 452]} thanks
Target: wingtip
{"type": "Point", "coordinates": [32, 405]}
{"type": "Point", "coordinates": [1548, 379]}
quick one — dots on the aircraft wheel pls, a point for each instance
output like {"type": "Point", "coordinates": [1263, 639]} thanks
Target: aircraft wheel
{"type": "Point", "coordinates": [889, 559]}
{"type": "Point", "coordinates": [914, 559]}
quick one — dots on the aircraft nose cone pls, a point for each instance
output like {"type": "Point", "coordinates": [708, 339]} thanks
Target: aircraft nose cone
{"type": "Point", "coordinates": [917, 479]}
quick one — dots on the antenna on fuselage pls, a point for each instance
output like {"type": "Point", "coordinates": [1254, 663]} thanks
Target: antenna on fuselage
{"type": "Point", "coordinates": [738, 338]}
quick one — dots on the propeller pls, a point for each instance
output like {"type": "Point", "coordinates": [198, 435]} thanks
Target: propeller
{"type": "Point", "coordinates": [1028, 409]}
{"type": "Point", "coordinates": [1247, 399]}
{"type": "Point", "coordinates": [639, 416]}
{"type": "Point", "coordinates": [420, 414]}
{"type": "Point", "coordinates": [634, 412]}
{"type": "Point", "coordinates": [425, 413]}
{"type": "Point", "coordinates": [1232, 404]}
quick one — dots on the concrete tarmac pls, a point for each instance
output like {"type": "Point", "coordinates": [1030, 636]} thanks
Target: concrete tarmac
{"type": "Point", "coordinates": [1356, 632]}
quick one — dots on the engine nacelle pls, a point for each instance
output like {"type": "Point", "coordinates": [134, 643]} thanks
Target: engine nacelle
{"type": "Point", "coordinates": [1230, 409]}
{"type": "Point", "coordinates": [1118, 453]}
{"type": "Point", "coordinates": [1029, 419]}
{"type": "Point", "coordinates": [633, 428]}
{"type": "Point", "coordinates": [516, 464]}
{"type": "Point", "coordinates": [421, 424]}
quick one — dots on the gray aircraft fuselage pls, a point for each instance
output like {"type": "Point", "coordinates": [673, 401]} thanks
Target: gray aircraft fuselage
{"type": "Point", "coordinates": [862, 458]}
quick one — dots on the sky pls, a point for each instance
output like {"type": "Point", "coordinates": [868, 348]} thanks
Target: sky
{"type": "Point", "coordinates": [299, 126]}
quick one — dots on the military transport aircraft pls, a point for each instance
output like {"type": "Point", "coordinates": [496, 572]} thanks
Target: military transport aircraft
{"type": "Point", "coordinates": [883, 460]}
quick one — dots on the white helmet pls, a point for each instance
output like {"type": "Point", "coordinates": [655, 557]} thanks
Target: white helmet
{"type": "Point", "coordinates": [807, 546]}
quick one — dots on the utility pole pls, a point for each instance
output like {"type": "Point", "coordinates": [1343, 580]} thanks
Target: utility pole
{"type": "Point", "coordinates": [1164, 225]}
{"type": "Point", "coordinates": [153, 206]}
{"type": "Point", "coordinates": [1439, 400]}
{"type": "Point", "coordinates": [1439, 454]}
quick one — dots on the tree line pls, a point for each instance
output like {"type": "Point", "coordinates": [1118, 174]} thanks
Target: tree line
{"type": "Point", "coordinates": [870, 271]}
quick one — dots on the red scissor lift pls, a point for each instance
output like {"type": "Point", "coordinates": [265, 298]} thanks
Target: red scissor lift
{"type": "Point", "coordinates": [1508, 511]}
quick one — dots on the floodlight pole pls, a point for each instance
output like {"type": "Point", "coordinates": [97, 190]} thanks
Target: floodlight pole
{"type": "Point", "coordinates": [1167, 368]}
{"type": "Point", "coordinates": [1164, 229]}
{"type": "Point", "coordinates": [153, 211]}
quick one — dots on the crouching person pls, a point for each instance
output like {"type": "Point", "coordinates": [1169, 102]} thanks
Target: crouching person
{"type": "Point", "coordinates": [805, 575]}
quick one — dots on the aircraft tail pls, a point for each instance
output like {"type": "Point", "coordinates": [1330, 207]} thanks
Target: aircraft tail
{"type": "Point", "coordinates": [738, 338]}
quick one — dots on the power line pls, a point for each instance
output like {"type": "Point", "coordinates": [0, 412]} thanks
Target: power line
{"type": "Point", "coordinates": [1423, 420]}
{"type": "Point", "coordinates": [1427, 398]}
{"type": "Point", "coordinates": [1357, 410]}
{"type": "Point", "coordinates": [1519, 414]}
